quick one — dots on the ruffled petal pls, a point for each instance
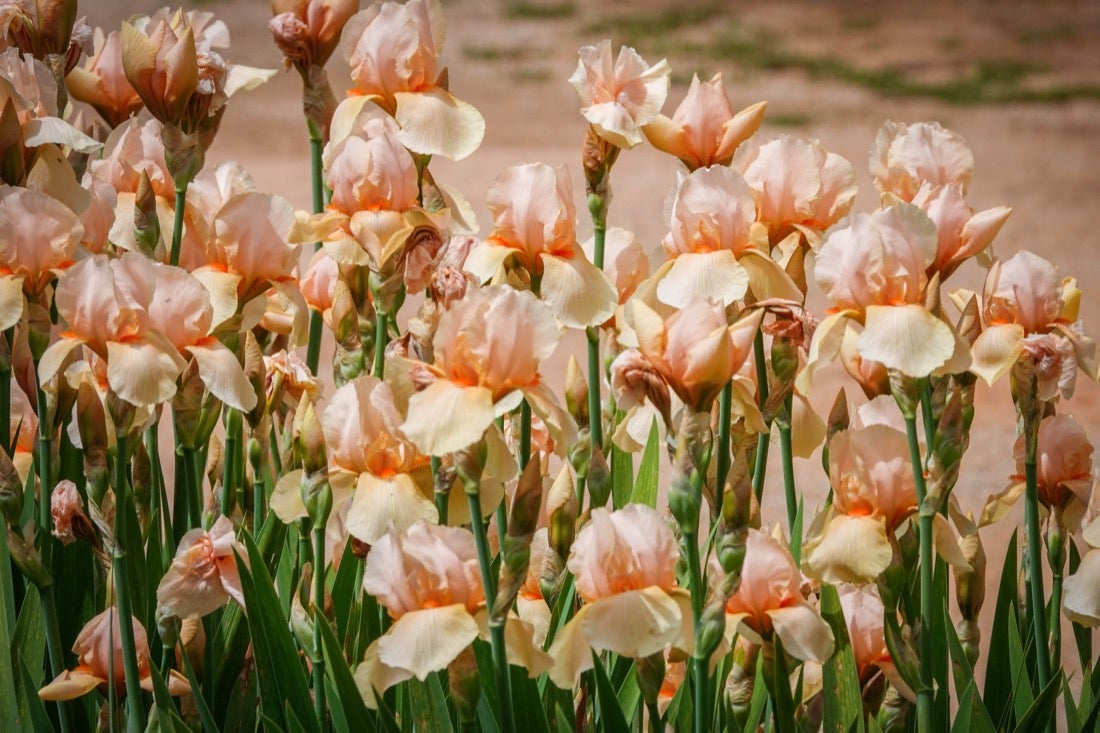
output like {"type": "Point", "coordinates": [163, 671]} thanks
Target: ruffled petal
{"type": "Point", "coordinates": [435, 122]}
{"type": "Point", "coordinates": [142, 373]}
{"type": "Point", "coordinates": [850, 550]}
{"type": "Point", "coordinates": [694, 275]}
{"type": "Point", "coordinates": [578, 293]}
{"type": "Point", "coordinates": [907, 338]}
{"type": "Point", "coordinates": [425, 641]}
{"type": "Point", "coordinates": [380, 503]}
{"type": "Point", "coordinates": [446, 417]}
{"type": "Point", "coordinates": [634, 624]}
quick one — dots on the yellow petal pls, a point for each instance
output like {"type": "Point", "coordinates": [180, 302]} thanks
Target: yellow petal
{"type": "Point", "coordinates": [141, 373]}
{"type": "Point", "coordinates": [486, 261]}
{"type": "Point", "coordinates": [635, 623]}
{"type": "Point", "coordinates": [826, 343]}
{"type": "Point", "coordinates": [998, 504]}
{"type": "Point", "coordinates": [446, 417]}
{"type": "Point", "coordinates": [70, 685]}
{"type": "Point", "coordinates": [286, 498]}
{"type": "Point", "coordinates": [767, 279]}
{"type": "Point", "coordinates": [851, 550]}
{"type": "Point", "coordinates": [578, 293]}
{"type": "Point", "coordinates": [907, 338]}
{"type": "Point", "coordinates": [804, 634]}
{"type": "Point", "coordinates": [996, 349]}
{"type": "Point", "coordinates": [223, 375]}
{"type": "Point", "coordinates": [947, 544]}
{"type": "Point", "coordinates": [425, 641]}
{"type": "Point", "coordinates": [715, 275]}
{"type": "Point", "coordinates": [379, 503]}
{"type": "Point", "coordinates": [571, 652]}
{"type": "Point", "coordinates": [435, 122]}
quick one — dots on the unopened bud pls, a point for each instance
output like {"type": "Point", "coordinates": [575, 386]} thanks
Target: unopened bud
{"type": "Point", "coordinates": [25, 556]}
{"type": "Point", "coordinates": [310, 438]}
{"type": "Point", "coordinates": [516, 543]}
{"type": "Point", "coordinates": [711, 630]}
{"type": "Point", "coordinates": [599, 478]}
{"type": "Point", "coordinates": [576, 391]}
{"type": "Point", "coordinates": [651, 676]}
{"type": "Point", "coordinates": [562, 508]}
{"type": "Point", "coordinates": [465, 684]}
{"type": "Point", "coordinates": [317, 497]}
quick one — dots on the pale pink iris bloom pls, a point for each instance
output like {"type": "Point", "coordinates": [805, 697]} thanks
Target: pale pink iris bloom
{"type": "Point", "coordinates": [308, 31]}
{"type": "Point", "coordinates": [904, 158]}
{"type": "Point", "coordinates": [716, 249]}
{"type": "Point", "coordinates": [534, 229]}
{"type": "Point", "coordinates": [38, 239]}
{"type": "Point", "coordinates": [98, 648]}
{"type": "Point", "coordinates": [429, 581]}
{"type": "Point", "coordinates": [1030, 315]}
{"type": "Point", "coordinates": [962, 233]}
{"type": "Point", "coordinates": [487, 350]}
{"type": "Point", "coordinates": [204, 575]}
{"type": "Point", "coordinates": [624, 566]}
{"type": "Point", "coordinates": [66, 507]}
{"type": "Point", "coordinates": [105, 305]}
{"type": "Point", "coordinates": [704, 130]}
{"type": "Point", "coordinates": [624, 260]}
{"type": "Point", "coordinates": [1081, 599]}
{"type": "Point", "coordinates": [769, 603]}
{"type": "Point", "coordinates": [618, 97]}
{"type": "Point", "coordinates": [872, 268]}
{"type": "Point", "coordinates": [101, 81]}
{"type": "Point", "coordinates": [394, 54]}
{"type": "Point", "coordinates": [863, 614]}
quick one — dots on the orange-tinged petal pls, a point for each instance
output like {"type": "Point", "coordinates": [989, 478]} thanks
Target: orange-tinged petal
{"type": "Point", "coordinates": [907, 338]}
{"type": "Point", "coordinates": [435, 122]}
{"type": "Point", "coordinates": [634, 624]}
{"type": "Point", "coordinates": [141, 372]}
{"type": "Point", "coordinates": [70, 685]}
{"type": "Point", "coordinates": [851, 550]}
{"type": "Point", "coordinates": [381, 503]}
{"type": "Point", "coordinates": [428, 640]}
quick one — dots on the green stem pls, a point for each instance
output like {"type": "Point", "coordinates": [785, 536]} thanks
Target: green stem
{"type": "Point", "coordinates": [1055, 620]}
{"type": "Point", "coordinates": [5, 410]}
{"type": "Point", "coordinates": [316, 325]}
{"type": "Point", "coordinates": [1034, 563]}
{"type": "Point", "coordinates": [177, 222]}
{"type": "Point", "coordinates": [725, 409]}
{"type": "Point", "coordinates": [926, 410]}
{"type": "Point", "coordinates": [595, 404]}
{"type": "Point", "coordinates": [259, 489]}
{"type": "Point", "coordinates": [927, 561]}
{"type": "Point", "coordinates": [524, 434]}
{"type": "Point", "coordinates": [53, 646]}
{"type": "Point", "coordinates": [441, 498]}
{"type": "Point", "coordinates": [496, 628]}
{"type": "Point", "coordinates": [160, 495]}
{"type": "Point", "coordinates": [763, 441]}
{"type": "Point", "coordinates": [381, 324]}
{"type": "Point", "coordinates": [318, 619]}
{"type": "Point", "coordinates": [135, 705]}
{"type": "Point", "coordinates": [230, 471]}
{"type": "Point", "coordinates": [698, 598]}
{"type": "Point", "coordinates": [786, 454]}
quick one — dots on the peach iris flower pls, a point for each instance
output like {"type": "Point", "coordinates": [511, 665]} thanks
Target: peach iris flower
{"type": "Point", "coordinates": [101, 81]}
{"type": "Point", "coordinates": [105, 305]}
{"type": "Point", "coordinates": [863, 614]}
{"type": "Point", "coordinates": [1031, 315]}
{"type": "Point", "coordinates": [487, 351]}
{"type": "Point", "coordinates": [769, 603]}
{"type": "Point", "coordinates": [203, 577]}
{"type": "Point", "coordinates": [308, 31]}
{"type": "Point", "coordinates": [1081, 599]}
{"type": "Point", "coordinates": [695, 352]}
{"type": "Point", "coordinates": [715, 247]}
{"type": "Point", "coordinates": [429, 581]}
{"type": "Point", "coordinates": [624, 566]}
{"type": "Point", "coordinates": [873, 492]}
{"type": "Point", "coordinates": [962, 233]}
{"type": "Point", "coordinates": [1064, 472]}
{"type": "Point", "coordinates": [29, 86]}
{"type": "Point", "coordinates": [38, 239]}
{"type": "Point", "coordinates": [394, 53]}
{"type": "Point", "coordinates": [799, 186]}
{"type": "Point", "coordinates": [872, 268]}
{"type": "Point", "coordinates": [619, 97]}
{"type": "Point", "coordinates": [98, 647]}
{"type": "Point", "coordinates": [704, 130]}
{"type": "Point", "coordinates": [904, 158]}
{"type": "Point", "coordinates": [534, 229]}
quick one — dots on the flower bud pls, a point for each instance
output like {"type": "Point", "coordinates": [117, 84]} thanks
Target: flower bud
{"type": "Point", "coordinates": [11, 490]}
{"type": "Point", "coordinates": [576, 391]}
{"type": "Point", "coordinates": [712, 628]}
{"type": "Point", "coordinates": [599, 478]}
{"type": "Point", "coordinates": [516, 543]}
{"type": "Point", "coordinates": [651, 676]}
{"type": "Point", "coordinates": [562, 508]}
{"type": "Point", "coordinates": [465, 684]}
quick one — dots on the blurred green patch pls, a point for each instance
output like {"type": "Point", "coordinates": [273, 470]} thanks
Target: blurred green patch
{"type": "Point", "coordinates": [1044, 36]}
{"type": "Point", "coordinates": [497, 53]}
{"type": "Point", "coordinates": [535, 9]}
{"type": "Point", "coordinates": [637, 28]}
{"type": "Point", "coordinates": [787, 120]}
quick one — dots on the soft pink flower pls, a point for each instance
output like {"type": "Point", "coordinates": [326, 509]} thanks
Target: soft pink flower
{"type": "Point", "coordinates": [1081, 601]}
{"type": "Point", "coordinates": [1030, 314]}
{"type": "Point", "coordinates": [619, 97]}
{"type": "Point", "coordinates": [863, 614]}
{"type": "Point", "coordinates": [624, 565]}
{"type": "Point", "coordinates": [962, 233]}
{"type": "Point", "coordinates": [393, 52]}
{"type": "Point", "coordinates": [769, 602]}
{"type": "Point", "coordinates": [487, 349]}
{"type": "Point", "coordinates": [704, 130]}
{"type": "Point", "coordinates": [534, 230]}
{"type": "Point", "coordinates": [624, 260]}
{"type": "Point", "coordinates": [66, 506]}
{"type": "Point", "coordinates": [308, 31]}
{"type": "Point", "coordinates": [98, 649]}
{"type": "Point", "coordinates": [906, 157]}
{"type": "Point", "coordinates": [101, 81]}
{"type": "Point", "coordinates": [204, 576]}
{"type": "Point", "coordinates": [429, 580]}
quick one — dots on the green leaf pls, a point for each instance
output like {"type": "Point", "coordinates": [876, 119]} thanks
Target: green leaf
{"type": "Point", "coordinates": [36, 711]}
{"type": "Point", "coordinates": [164, 708]}
{"type": "Point", "coordinates": [905, 660]}
{"type": "Point", "coordinates": [9, 702]}
{"type": "Point", "coordinates": [609, 717]}
{"type": "Point", "coordinates": [977, 719]}
{"type": "Point", "coordinates": [840, 677]}
{"type": "Point", "coordinates": [622, 476]}
{"type": "Point", "coordinates": [796, 531]}
{"type": "Point", "coordinates": [645, 484]}
{"type": "Point", "coordinates": [282, 677]}
{"type": "Point", "coordinates": [996, 691]}
{"type": "Point", "coordinates": [344, 591]}
{"type": "Point", "coordinates": [348, 700]}
{"type": "Point", "coordinates": [941, 700]}
{"type": "Point", "coordinates": [29, 637]}
{"type": "Point", "coordinates": [429, 706]}
{"type": "Point", "coordinates": [1022, 696]}
{"type": "Point", "coordinates": [779, 688]}
{"type": "Point", "coordinates": [1039, 716]}
{"type": "Point", "coordinates": [531, 716]}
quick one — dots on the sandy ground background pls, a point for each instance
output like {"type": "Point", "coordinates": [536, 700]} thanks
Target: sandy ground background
{"type": "Point", "coordinates": [1019, 80]}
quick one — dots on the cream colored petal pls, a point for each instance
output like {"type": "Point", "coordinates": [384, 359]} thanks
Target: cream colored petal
{"type": "Point", "coordinates": [995, 351]}
{"type": "Point", "coordinates": [1081, 599]}
{"type": "Point", "coordinates": [851, 550]}
{"type": "Point", "coordinates": [907, 338]}
{"type": "Point", "coordinates": [826, 343]}
{"type": "Point", "coordinates": [667, 136]}
{"type": "Point", "coordinates": [998, 505]}
{"type": "Point", "coordinates": [635, 623]}
{"type": "Point", "coordinates": [520, 643]}
{"type": "Point", "coordinates": [223, 375]}
{"type": "Point", "coordinates": [11, 301]}
{"type": "Point", "coordinates": [715, 275]}
{"type": "Point", "coordinates": [807, 428]}
{"type": "Point", "coordinates": [141, 373]}
{"type": "Point", "coordinates": [435, 122]}
{"type": "Point", "coordinates": [55, 356]}
{"type": "Point", "coordinates": [286, 499]}
{"type": "Point", "coordinates": [241, 78]}
{"type": "Point", "coordinates": [373, 676]}
{"type": "Point", "coordinates": [446, 417]}
{"type": "Point", "coordinates": [70, 685]}
{"type": "Point", "coordinates": [767, 279]}
{"type": "Point", "coordinates": [428, 640]}
{"type": "Point", "coordinates": [222, 287]}
{"type": "Point", "coordinates": [45, 130]}
{"type": "Point", "coordinates": [947, 544]}
{"type": "Point", "coordinates": [804, 634]}
{"type": "Point", "coordinates": [578, 293]}
{"type": "Point", "coordinates": [380, 503]}
{"type": "Point", "coordinates": [486, 261]}
{"type": "Point", "coordinates": [571, 652]}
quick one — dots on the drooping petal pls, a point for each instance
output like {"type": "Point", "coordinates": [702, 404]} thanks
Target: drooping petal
{"type": "Point", "coordinates": [70, 684]}
{"type": "Point", "coordinates": [804, 634]}
{"type": "Point", "coordinates": [1081, 601]}
{"type": "Point", "coordinates": [447, 417]}
{"type": "Point", "coordinates": [851, 550]}
{"type": "Point", "coordinates": [142, 373]}
{"type": "Point", "coordinates": [427, 640]}
{"type": "Point", "coordinates": [634, 624]}
{"type": "Point", "coordinates": [714, 275]}
{"type": "Point", "coordinates": [907, 338]}
{"type": "Point", "coordinates": [435, 122]}
{"type": "Point", "coordinates": [381, 503]}
{"type": "Point", "coordinates": [223, 375]}
{"type": "Point", "coordinates": [571, 652]}
{"type": "Point", "coordinates": [578, 293]}
{"type": "Point", "coordinates": [996, 349]}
